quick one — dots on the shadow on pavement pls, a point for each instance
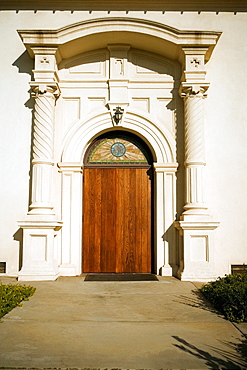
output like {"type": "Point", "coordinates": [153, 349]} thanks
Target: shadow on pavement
{"type": "Point", "coordinates": [223, 359]}
{"type": "Point", "coordinates": [197, 301]}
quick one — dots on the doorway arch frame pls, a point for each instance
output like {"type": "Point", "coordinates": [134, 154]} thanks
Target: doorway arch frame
{"type": "Point", "coordinates": [54, 46]}
{"type": "Point", "coordinates": [76, 143]}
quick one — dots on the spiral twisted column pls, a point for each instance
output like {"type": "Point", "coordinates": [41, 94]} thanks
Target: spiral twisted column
{"type": "Point", "coordinates": [42, 149]}
{"type": "Point", "coordinates": [43, 125]}
{"type": "Point", "coordinates": [194, 150]}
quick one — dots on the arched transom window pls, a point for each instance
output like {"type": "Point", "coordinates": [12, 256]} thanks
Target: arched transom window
{"type": "Point", "coordinates": [117, 150]}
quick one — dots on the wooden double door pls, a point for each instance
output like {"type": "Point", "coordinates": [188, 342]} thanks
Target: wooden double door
{"type": "Point", "coordinates": [117, 220]}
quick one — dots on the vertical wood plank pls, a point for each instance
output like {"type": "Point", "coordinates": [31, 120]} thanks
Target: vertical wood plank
{"type": "Point", "coordinates": [124, 218]}
{"type": "Point", "coordinates": [146, 224]}
{"type": "Point", "coordinates": [139, 221]}
{"type": "Point", "coordinates": [91, 218]}
{"type": "Point", "coordinates": [120, 219]}
{"type": "Point", "coordinates": [94, 247]}
{"type": "Point", "coordinates": [133, 195]}
{"type": "Point", "coordinates": [108, 223]}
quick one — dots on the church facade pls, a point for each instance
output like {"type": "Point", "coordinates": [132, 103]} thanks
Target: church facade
{"type": "Point", "coordinates": [123, 139]}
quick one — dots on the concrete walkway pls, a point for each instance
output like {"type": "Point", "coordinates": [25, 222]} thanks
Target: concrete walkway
{"type": "Point", "coordinates": [165, 324]}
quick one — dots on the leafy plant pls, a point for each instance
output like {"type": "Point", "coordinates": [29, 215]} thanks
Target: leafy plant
{"type": "Point", "coordinates": [12, 296]}
{"type": "Point", "coordinates": [229, 296]}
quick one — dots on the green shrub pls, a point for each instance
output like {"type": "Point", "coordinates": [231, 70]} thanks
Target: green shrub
{"type": "Point", "coordinates": [12, 296]}
{"type": "Point", "coordinates": [229, 296]}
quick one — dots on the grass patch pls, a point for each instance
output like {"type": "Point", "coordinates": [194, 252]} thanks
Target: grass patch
{"type": "Point", "coordinates": [229, 296]}
{"type": "Point", "coordinates": [12, 296]}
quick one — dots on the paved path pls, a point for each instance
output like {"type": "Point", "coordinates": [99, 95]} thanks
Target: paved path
{"type": "Point", "coordinates": [162, 324]}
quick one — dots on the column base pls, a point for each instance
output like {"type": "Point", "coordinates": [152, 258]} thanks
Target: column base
{"type": "Point", "coordinates": [197, 278]}
{"type": "Point", "coordinates": [195, 213]}
{"type": "Point", "coordinates": [39, 262]}
{"type": "Point", "coordinates": [67, 269]}
{"type": "Point", "coordinates": [36, 275]}
{"type": "Point", "coordinates": [166, 270]}
{"type": "Point", "coordinates": [38, 211]}
{"type": "Point", "coordinates": [197, 263]}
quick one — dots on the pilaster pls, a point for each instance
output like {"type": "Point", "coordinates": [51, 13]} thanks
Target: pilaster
{"type": "Point", "coordinates": [45, 91]}
{"type": "Point", "coordinates": [40, 226]}
{"type": "Point", "coordinates": [196, 225]}
{"type": "Point", "coordinates": [165, 179]}
{"type": "Point", "coordinates": [71, 251]}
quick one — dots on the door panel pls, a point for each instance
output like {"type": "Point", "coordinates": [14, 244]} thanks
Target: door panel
{"type": "Point", "coordinates": [116, 220]}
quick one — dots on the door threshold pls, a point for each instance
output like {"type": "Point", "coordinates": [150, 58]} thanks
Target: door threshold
{"type": "Point", "coordinates": [120, 277]}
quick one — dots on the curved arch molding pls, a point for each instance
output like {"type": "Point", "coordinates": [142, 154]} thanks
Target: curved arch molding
{"type": "Point", "coordinates": [81, 134]}
{"type": "Point", "coordinates": [66, 37]}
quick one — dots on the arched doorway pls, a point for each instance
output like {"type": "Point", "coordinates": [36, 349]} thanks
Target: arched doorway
{"type": "Point", "coordinates": [117, 205]}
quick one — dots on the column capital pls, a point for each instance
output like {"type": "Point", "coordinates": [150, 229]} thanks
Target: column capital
{"type": "Point", "coordinates": [165, 167]}
{"type": "Point", "coordinates": [41, 88]}
{"type": "Point", "coordinates": [197, 88]}
{"type": "Point", "coordinates": [70, 167]}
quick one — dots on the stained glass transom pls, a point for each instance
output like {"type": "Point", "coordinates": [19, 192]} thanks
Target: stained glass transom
{"type": "Point", "coordinates": [116, 150]}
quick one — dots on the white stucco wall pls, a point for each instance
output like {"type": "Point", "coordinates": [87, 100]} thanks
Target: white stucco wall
{"type": "Point", "coordinates": [225, 123]}
{"type": "Point", "coordinates": [226, 134]}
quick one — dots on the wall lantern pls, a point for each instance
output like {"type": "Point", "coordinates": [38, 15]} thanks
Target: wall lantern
{"type": "Point", "coordinates": [118, 115]}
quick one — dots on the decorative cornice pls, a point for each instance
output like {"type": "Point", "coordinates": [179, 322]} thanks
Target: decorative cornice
{"type": "Point", "coordinates": [68, 33]}
{"type": "Point", "coordinates": [44, 49]}
{"type": "Point", "coordinates": [127, 5]}
{"type": "Point", "coordinates": [183, 38]}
